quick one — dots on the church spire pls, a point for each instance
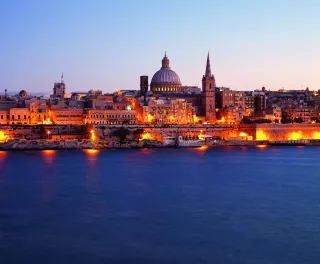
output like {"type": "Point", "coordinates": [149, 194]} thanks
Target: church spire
{"type": "Point", "coordinates": [208, 68]}
{"type": "Point", "coordinates": [62, 81]}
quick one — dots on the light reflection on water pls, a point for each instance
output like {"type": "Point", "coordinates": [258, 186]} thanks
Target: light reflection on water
{"type": "Point", "coordinates": [92, 155]}
{"type": "Point", "coordinates": [3, 155]}
{"type": "Point", "coordinates": [92, 174]}
{"type": "Point", "coordinates": [49, 156]}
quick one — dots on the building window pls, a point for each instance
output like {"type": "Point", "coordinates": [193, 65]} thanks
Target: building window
{"type": "Point", "coordinates": [12, 117]}
{"type": "Point", "coordinates": [25, 117]}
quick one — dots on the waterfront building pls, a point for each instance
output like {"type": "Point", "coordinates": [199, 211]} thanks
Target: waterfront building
{"type": "Point", "coordinates": [19, 116]}
{"type": "Point", "coordinates": [300, 114]}
{"type": "Point", "coordinates": [165, 80]}
{"type": "Point", "coordinates": [248, 104]}
{"type": "Point", "coordinates": [208, 94]}
{"type": "Point", "coordinates": [67, 116]}
{"type": "Point", "coordinates": [109, 117]}
{"type": "Point", "coordinates": [225, 97]}
{"type": "Point", "coordinates": [38, 111]}
{"type": "Point", "coordinates": [4, 117]}
{"type": "Point", "coordinates": [260, 103]}
{"type": "Point", "coordinates": [166, 111]}
{"type": "Point", "coordinates": [231, 114]}
{"type": "Point", "coordinates": [273, 113]}
{"type": "Point", "coordinates": [99, 104]}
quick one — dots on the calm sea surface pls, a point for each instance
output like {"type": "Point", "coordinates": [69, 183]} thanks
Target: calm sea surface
{"type": "Point", "coordinates": [231, 205]}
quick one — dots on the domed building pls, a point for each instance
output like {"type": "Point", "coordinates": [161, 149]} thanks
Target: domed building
{"type": "Point", "coordinates": [165, 80]}
{"type": "Point", "coordinates": [23, 93]}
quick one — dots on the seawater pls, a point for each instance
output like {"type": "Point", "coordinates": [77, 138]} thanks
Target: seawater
{"type": "Point", "coordinates": [220, 205]}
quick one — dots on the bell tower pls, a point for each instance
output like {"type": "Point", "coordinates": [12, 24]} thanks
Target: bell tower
{"type": "Point", "coordinates": [208, 94]}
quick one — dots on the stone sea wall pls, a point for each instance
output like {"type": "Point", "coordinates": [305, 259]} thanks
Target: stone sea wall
{"type": "Point", "coordinates": [287, 131]}
{"type": "Point", "coordinates": [114, 133]}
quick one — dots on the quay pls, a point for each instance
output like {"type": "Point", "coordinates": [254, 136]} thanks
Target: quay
{"type": "Point", "coordinates": [21, 137]}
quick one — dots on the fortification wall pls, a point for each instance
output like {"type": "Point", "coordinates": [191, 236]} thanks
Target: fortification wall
{"type": "Point", "coordinates": [287, 131]}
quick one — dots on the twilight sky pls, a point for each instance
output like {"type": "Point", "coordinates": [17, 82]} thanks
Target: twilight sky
{"type": "Point", "coordinates": [108, 44]}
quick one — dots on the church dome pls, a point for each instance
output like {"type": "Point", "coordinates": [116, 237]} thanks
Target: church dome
{"type": "Point", "coordinates": [165, 80]}
{"type": "Point", "coordinates": [23, 93]}
{"type": "Point", "coordinates": [165, 76]}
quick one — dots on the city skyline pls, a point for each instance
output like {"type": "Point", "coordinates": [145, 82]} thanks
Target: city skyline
{"type": "Point", "coordinates": [108, 45]}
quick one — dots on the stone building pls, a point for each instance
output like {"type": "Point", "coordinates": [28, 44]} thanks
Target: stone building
{"type": "Point", "coordinates": [67, 116]}
{"type": "Point", "coordinates": [225, 97]}
{"type": "Point", "coordinates": [38, 111]}
{"type": "Point", "coordinates": [170, 111]}
{"type": "Point", "coordinates": [4, 117]}
{"type": "Point", "coordinates": [306, 113]}
{"type": "Point", "coordinates": [109, 117]}
{"type": "Point", "coordinates": [165, 80]}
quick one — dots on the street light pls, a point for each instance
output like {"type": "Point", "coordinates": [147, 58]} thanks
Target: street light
{"type": "Point", "coordinates": [48, 133]}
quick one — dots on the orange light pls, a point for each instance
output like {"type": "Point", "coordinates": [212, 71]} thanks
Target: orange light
{"type": "Point", "coordinates": [92, 155]}
{"type": "Point", "coordinates": [3, 137]}
{"type": "Point", "coordinates": [295, 136]}
{"type": "Point", "coordinates": [93, 135]}
{"type": "Point", "coordinates": [147, 136]}
{"type": "Point", "coordinates": [48, 132]}
{"type": "Point", "coordinates": [316, 135]}
{"type": "Point", "coordinates": [261, 135]}
{"type": "Point", "coordinates": [261, 146]}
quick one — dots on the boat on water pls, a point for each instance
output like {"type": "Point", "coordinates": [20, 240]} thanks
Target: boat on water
{"type": "Point", "coordinates": [169, 141]}
{"type": "Point", "coordinates": [189, 143]}
{"type": "Point", "coordinates": [288, 142]}
{"type": "Point", "coordinates": [313, 142]}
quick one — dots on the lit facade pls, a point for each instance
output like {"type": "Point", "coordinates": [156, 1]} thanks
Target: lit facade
{"type": "Point", "coordinates": [67, 116]}
{"type": "Point", "coordinates": [176, 111]}
{"type": "Point", "coordinates": [109, 117]}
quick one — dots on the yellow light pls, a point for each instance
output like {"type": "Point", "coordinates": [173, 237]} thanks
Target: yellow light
{"type": "Point", "coordinates": [48, 132]}
{"type": "Point", "coordinates": [3, 137]}
{"type": "Point", "coordinates": [195, 119]}
{"type": "Point", "coordinates": [92, 155]}
{"type": "Point", "coordinates": [222, 120]}
{"type": "Point", "coordinates": [295, 136]}
{"type": "Point", "coordinates": [93, 135]}
{"type": "Point", "coordinates": [146, 136]}
{"type": "Point", "coordinates": [261, 146]}
{"type": "Point", "coordinates": [316, 135]}
{"type": "Point", "coordinates": [260, 135]}
{"type": "Point", "coordinates": [149, 118]}
{"type": "Point", "coordinates": [242, 134]}
{"type": "Point", "coordinates": [202, 148]}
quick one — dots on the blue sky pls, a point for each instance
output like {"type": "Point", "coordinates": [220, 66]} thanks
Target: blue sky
{"type": "Point", "coordinates": [104, 44]}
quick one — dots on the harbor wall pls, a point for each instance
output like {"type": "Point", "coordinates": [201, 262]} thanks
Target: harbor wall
{"type": "Point", "coordinates": [256, 131]}
{"type": "Point", "coordinates": [287, 131]}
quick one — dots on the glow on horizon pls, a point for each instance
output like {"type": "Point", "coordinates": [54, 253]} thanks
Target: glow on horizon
{"type": "Point", "coordinates": [107, 45]}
